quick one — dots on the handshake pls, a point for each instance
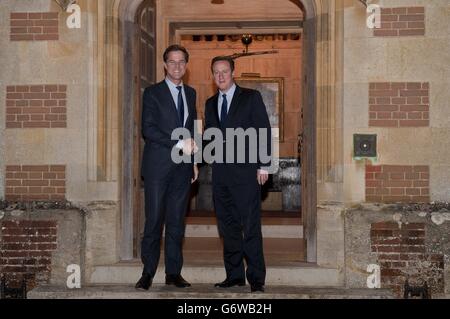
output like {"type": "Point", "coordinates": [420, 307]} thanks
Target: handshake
{"type": "Point", "coordinates": [189, 146]}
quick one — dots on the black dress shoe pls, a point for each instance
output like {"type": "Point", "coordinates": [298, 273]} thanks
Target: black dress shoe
{"type": "Point", "coordinates": [230, 283]}
{"type": "Point", "coordinates": [177, 280]}
{"type": "Point", "coordinates": [145, 282]}
{"type": "Point", "coordinates": [256, 288]}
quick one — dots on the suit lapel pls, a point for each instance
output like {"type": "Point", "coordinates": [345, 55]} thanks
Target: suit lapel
{"type": "Point", "coordinates": [215, 102]}
{"type": "Point", "coordinates": [234, 104]}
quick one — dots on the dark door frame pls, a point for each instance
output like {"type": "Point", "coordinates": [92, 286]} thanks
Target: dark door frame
{"type": "Point", "coordinates": [127, 35]}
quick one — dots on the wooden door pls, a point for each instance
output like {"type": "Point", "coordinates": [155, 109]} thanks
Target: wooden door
{"type": "Point", "coordinates": [145, 74]}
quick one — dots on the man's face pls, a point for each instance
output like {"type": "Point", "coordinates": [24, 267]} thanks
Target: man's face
{"type": "Point", "coordinates": [175, 66]}
{"type": "Point", "coordinates": [223, 76]}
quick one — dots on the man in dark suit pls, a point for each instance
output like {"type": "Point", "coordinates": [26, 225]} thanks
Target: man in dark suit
{"type": "Point", "coordinates": [167, 105]}
{"type": "Point", "coordinates": [237, 186]}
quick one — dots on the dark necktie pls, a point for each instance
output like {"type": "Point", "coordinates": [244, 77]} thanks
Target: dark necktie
{"type": "Point", "coordinates": [224, 110]}
{"type": "Point", "coordinates": [180, 106]}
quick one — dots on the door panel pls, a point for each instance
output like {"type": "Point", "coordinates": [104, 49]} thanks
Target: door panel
{"type": "Point", "coordinates": [145, 75]}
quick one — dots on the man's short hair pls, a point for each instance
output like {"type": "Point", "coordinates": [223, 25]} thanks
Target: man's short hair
{"type": "Point", "coordinates": [175, 47]}
{"type": "Point", "coordinates": [223, 58]}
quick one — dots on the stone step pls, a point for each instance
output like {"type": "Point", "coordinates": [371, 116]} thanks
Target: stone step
{"type": "Point", "coordinates": [204, 291]}
{"type": "Point", "coordinates": [210, 271]}
{"type": "Point", "coordinates": [272, 227]}
{"type": "Point", "coordinates": [213, 245]}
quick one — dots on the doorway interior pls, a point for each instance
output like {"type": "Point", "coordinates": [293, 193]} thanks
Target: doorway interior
{"type": "Point", "coordinates": [282, 198]}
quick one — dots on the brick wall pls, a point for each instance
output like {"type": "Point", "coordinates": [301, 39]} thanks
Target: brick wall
{"type": "Point", "coordinates": [399, 104]}
{"type": "Point", "coordinates": [26, 249]}
{"type": "Point", "coordinates": [35, 182]}
{"type": "Point", "coordinates": [401, 254]}
{"type": "Point", "coordinates": [402, 21]}
{"type": "Point", "coordinates": [34, 26]}
{"type": "Point", "coordinates": [397, 183]}
{"type": "Point", "coordinates": [36, 106]}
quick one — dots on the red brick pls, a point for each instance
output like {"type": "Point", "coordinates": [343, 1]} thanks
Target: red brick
{"type": "Point", "coordinates": [16, 96]}
{"type": "Point", "coordinates": [51, 88]}
{"type": "Point", "coordinates": [50, 30]}
{"type": "Point", "coordinates": [35, 168]}
{"type": "Point", "coordinates": [37, 88]}
{"type": "Point", "coordinates": [21, 23]}
{"type": "Point", "coordinates": [46, 37]}
{"type": "Point", "coordinates": [414, 93]}
{"type": "Point", "coordinates": [13, 125]}
{"type": "Point", "coordinates": [421, 169]}
{"type": "Point", "coordinates": [384, 225]}
{"type": "Point", "coordinates": [36, 124]}
{"type": "Point", "coordinates": [418, 108]}
{"type": "Point", "coordinates": [389, 256]}
{"type": "Point", "coordinates": [381, 233]}
{"type": "Point", "coordinates": [58, 110]}
{"type": "Point", "coordinates": [19, 30]}
{"type": "Point", "coordinates": [57, 197]}
{"type": "Point", "coordinates": [424, 176]}
{"type": "Point", "coordinates": [397, 176]}
{"type": "Point", "coordinates": [397, 191]}
{"type": "Point", "coordinates": [37, 96]}
{"type": "Point", "coordinates": [412, 17]}
{"type": "Point", "coordinates": [373, 199]}
{"type": "Point", "coordinates": [413, 100]}
{"type": "Point", "coordinates": [35, 182]}
{"type": "Point", "coordinates": [13, 168]}
{"type": "Point", "coordinates": [385, 33]}
{"type": "Point", "coordinates": [46, 23]}
{"type": "Point", "coordinates": [57, 168]}
{"type": "Point", "coordinates": [414, 123]}
{"type": "Point", "coordinates": [13, 110]}
{"type": "Point", "coordinates": [413, 10]}
{"type": "Point", "coordinates": [416, 25]}
{"type": "Point", "coordinates": [21, 37]}
{"type": "Point", "coordinates": [383, 123]}
{"type": "Point", "coordinates": [397, 168]}
{"type": "Point", "coordinates": [36, 103]}
{"type": "Point", "coordinates": [36, 110]}
{"type": "Point", "coordinates": [50, 15]}
{"type": "Point", "coordinates": [58, 124]}
{"type": "Point", "coordinates": [37, 117]}
{"type": "Point", "coordinates": [411, 32]}
{"type": "Point", "coordinates": [57, 183]}
{"type": "Point", "coordinates": [18, 15]}
{"type": "Point", "coordinates": [420, 199]}
{"type": "Point", "coordinates": [383, 108]}
{"type": "Point", "coordinates": [35, 15]}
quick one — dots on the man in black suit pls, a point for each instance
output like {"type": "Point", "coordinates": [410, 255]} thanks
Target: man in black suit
{"type": "Point", "coordinates": [237, 186]}
{"type": "Point", "coordinates": [167, 105]}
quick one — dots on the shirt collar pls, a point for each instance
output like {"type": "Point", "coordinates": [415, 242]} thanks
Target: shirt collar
{"type": "Point", "coordinates": [230, 91]}
{"type": "Point", "coordinates": [172, 85]}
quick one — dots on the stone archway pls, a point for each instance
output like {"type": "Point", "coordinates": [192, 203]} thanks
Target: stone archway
{"type": "Point", "coordinates": [318, 104]}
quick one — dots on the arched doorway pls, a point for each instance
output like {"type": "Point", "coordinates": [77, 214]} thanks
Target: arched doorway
{"type": "Point", "coordinates": [131, 13]}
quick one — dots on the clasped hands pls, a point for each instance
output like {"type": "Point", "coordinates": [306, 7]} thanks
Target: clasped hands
{"type": "Point", "coordinates": [189, 146]}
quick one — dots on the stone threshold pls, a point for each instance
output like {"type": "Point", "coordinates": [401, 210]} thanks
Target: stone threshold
{"type": "Point", "coordinates": [204, 291]}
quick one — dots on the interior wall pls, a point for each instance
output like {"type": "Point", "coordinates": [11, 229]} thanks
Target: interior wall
{"type": "Point", "coordinates": [285, 64]}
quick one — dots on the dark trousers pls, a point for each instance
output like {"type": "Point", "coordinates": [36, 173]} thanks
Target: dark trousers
{"type": "Point", "coordinates": [238, 209]}
{"type": "Point", "coordinates": [165, 203]}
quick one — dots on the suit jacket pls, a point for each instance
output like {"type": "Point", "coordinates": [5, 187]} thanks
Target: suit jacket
{"type": "Point", "coordinates": [247, 110]}
{"type": "Point", "coordinates": [159, 119]}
